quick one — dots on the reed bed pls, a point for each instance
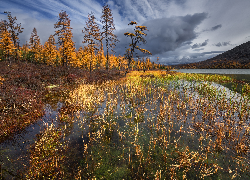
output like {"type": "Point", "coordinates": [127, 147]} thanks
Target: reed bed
{"type": "Point", "coordinates": [150, 125]}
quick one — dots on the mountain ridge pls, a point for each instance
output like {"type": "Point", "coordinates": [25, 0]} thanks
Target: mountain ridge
{"type": "Point", "coordinates": [236, 58]}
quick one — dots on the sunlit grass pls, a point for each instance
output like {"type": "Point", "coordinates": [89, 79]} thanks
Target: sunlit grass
{"type": "Point", "coordinates": [139, 128]}
{"type": "Point", "coordinates": [153, 125]}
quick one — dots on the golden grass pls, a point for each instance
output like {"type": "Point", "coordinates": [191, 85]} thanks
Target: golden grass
{"type": "Point", "coordinates": [148, 126]}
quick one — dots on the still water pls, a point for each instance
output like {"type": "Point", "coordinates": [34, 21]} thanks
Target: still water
{"type": "Point", "coordinates": [238, 74]}
{"type": "Point", "coordinates": [215, 71]}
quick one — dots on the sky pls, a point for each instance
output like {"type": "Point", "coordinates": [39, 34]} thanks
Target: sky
{"type": "Point", "coordinates": [179, 31]}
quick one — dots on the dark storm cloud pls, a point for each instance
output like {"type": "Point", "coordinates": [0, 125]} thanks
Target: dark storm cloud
{"type": "Point", "coordinates": [222, 44]}
{"type": "Point", "coordinates": [167, 34]}
{"type": "Point", "coordinates": [200, 45]}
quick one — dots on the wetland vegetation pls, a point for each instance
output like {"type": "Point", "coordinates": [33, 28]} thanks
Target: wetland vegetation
{"type": "Point", "coordinates": [147, 125]}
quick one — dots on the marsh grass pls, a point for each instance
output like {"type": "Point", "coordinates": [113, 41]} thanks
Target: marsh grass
{"type": "Point", "coordinates": [153, 125]}
{"type": "Point", "coordinates": [161, 127]}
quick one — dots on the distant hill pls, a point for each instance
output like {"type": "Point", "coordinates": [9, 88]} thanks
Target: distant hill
{"type": "Point", "coordinates": [236, 58]}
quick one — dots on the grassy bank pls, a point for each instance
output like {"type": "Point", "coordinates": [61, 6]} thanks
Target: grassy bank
{"type": "Point", "coordinates": [26, 87]}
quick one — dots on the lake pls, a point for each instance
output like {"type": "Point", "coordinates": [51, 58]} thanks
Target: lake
{"type": "Point", "coordinates": [238, 74]}
{"type": "Point", "coordinates": [215, 71]}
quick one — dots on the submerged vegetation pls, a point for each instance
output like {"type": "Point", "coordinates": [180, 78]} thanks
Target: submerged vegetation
{"type": "Point", "coordinates": [152, 125]}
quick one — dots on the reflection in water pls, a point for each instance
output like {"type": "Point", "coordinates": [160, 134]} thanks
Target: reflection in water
{"type": "Point", "coordinates": [14, 151]}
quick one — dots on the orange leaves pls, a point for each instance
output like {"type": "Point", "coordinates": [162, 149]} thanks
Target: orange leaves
{"type": "Point", "coordinates": [142, 28]}
{"type": "Point", "coordinates": [129, 34]}
{"type": "Point", "coordinates": [145, 51]}
{"type": "Point", "coordinates": [92, 36]}
{"type": "Point", "coordinates": [14, 28]}
{"type": "Point", "coordinates": [63, 20]}
{"type": "Point", "coordinates": [91, 31]}
{"type": "Point", "coordinates": [35, 45]}
{"type": "Point", "coordinates": [136, 38]}
{"type": "Point", "coordinates": [1, 80]}
{"type": "Point", "coordinates": [6, 44]}
{"type": "Point", "coordinates": [49, 51]}
{"type": "Point", "coordinates": [67, 46]}
{"type": "Point", "coordinates": [132, 23]}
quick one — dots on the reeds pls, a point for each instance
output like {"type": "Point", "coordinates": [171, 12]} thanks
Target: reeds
{"type": "Point", "coordinates": [176, 126]}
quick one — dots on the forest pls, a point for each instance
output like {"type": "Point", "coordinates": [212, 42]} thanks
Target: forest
{"type": "Point", "coordinates": [88, 57]}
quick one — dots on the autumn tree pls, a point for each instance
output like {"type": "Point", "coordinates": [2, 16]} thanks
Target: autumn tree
{"type": "Point", "coordinates": [3, 26]}
{"type": "Point", "coordinates": [80, 55]}
{"type": "Point", "coordinates": [139, 64]}
{"type": "Point", "coordinates": [49, 51]}
{"type": "Point", "coordinates": [35, 45]}
{"type": "Point", "coordinates": [108, 27]}
{"type": "Point", "coordinates": [122, 63]}
{"type": "Point", "coordinates": [6, 44]}
{"type": "Point", "coordinates": [14, 29]}
{"type": "Point", "coordinates": [148, 63]}
{"type": "Point", "coordinates": [25, 52]}
{"type": "Point", "coordinates": [67, 46]}
{"type": "Point", "coordinates": [136, 38]}
{"type": "Point", "coordinates": [157, 60]}
{"type": "Point", "coordinates": [91, 36]}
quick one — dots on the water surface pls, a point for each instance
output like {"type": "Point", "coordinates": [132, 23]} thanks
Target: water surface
{"type": "Point", "coordinates": [215, 71]}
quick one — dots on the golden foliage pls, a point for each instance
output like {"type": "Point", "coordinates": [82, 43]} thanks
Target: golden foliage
{"type": "Point", "coordinates": [49, 51]}
{"type": "Point", "coordinates": [35, 46]}
{"type": "Point", "coordinates": [6, 44]}
{"type": "Point", "coordinates": [67, 46]}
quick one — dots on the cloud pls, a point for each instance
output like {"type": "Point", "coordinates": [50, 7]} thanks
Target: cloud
{"type": "Point", "coordinates": [219, 44]}
{"type": "Point", "coordinates": [200, 45]}
{"type": "Point", "coordinates": [192, 57]}
{"type": "Point", "coordinates": [213, 28]}
{"type": "Point", "coordinates": [199, 49]}
{"type": "Point", "coordinates": [216, 27]}
{"type": "Point", "coordinates": [167, 34]}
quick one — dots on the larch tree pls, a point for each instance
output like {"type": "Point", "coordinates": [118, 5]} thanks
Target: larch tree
{"type": "Point", "coordinates": [25, 55]}
{"type": "Point", "coordinates": [80, 55]}
{"type": "Point", "coordinates": [136, 38]}
{"type": "Point", "coordinates": [3, 26]}
{"type": "Point", "coordinates": [49, 51]}
{"type": "Point", "coordinates": [91, 36]}
{"type": "Point", "coordinates": [108, 27]}
{"type": "Point", "coordinates": [148, 63]}
{"type": "Point", "coordinates": [35, 45]}
{"type": "Point", "coordinates": [14, 29]}
{"type": "Point", "coordinates": [6, 44]}
{"type": "Point", "coordinates": [65, 35]}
